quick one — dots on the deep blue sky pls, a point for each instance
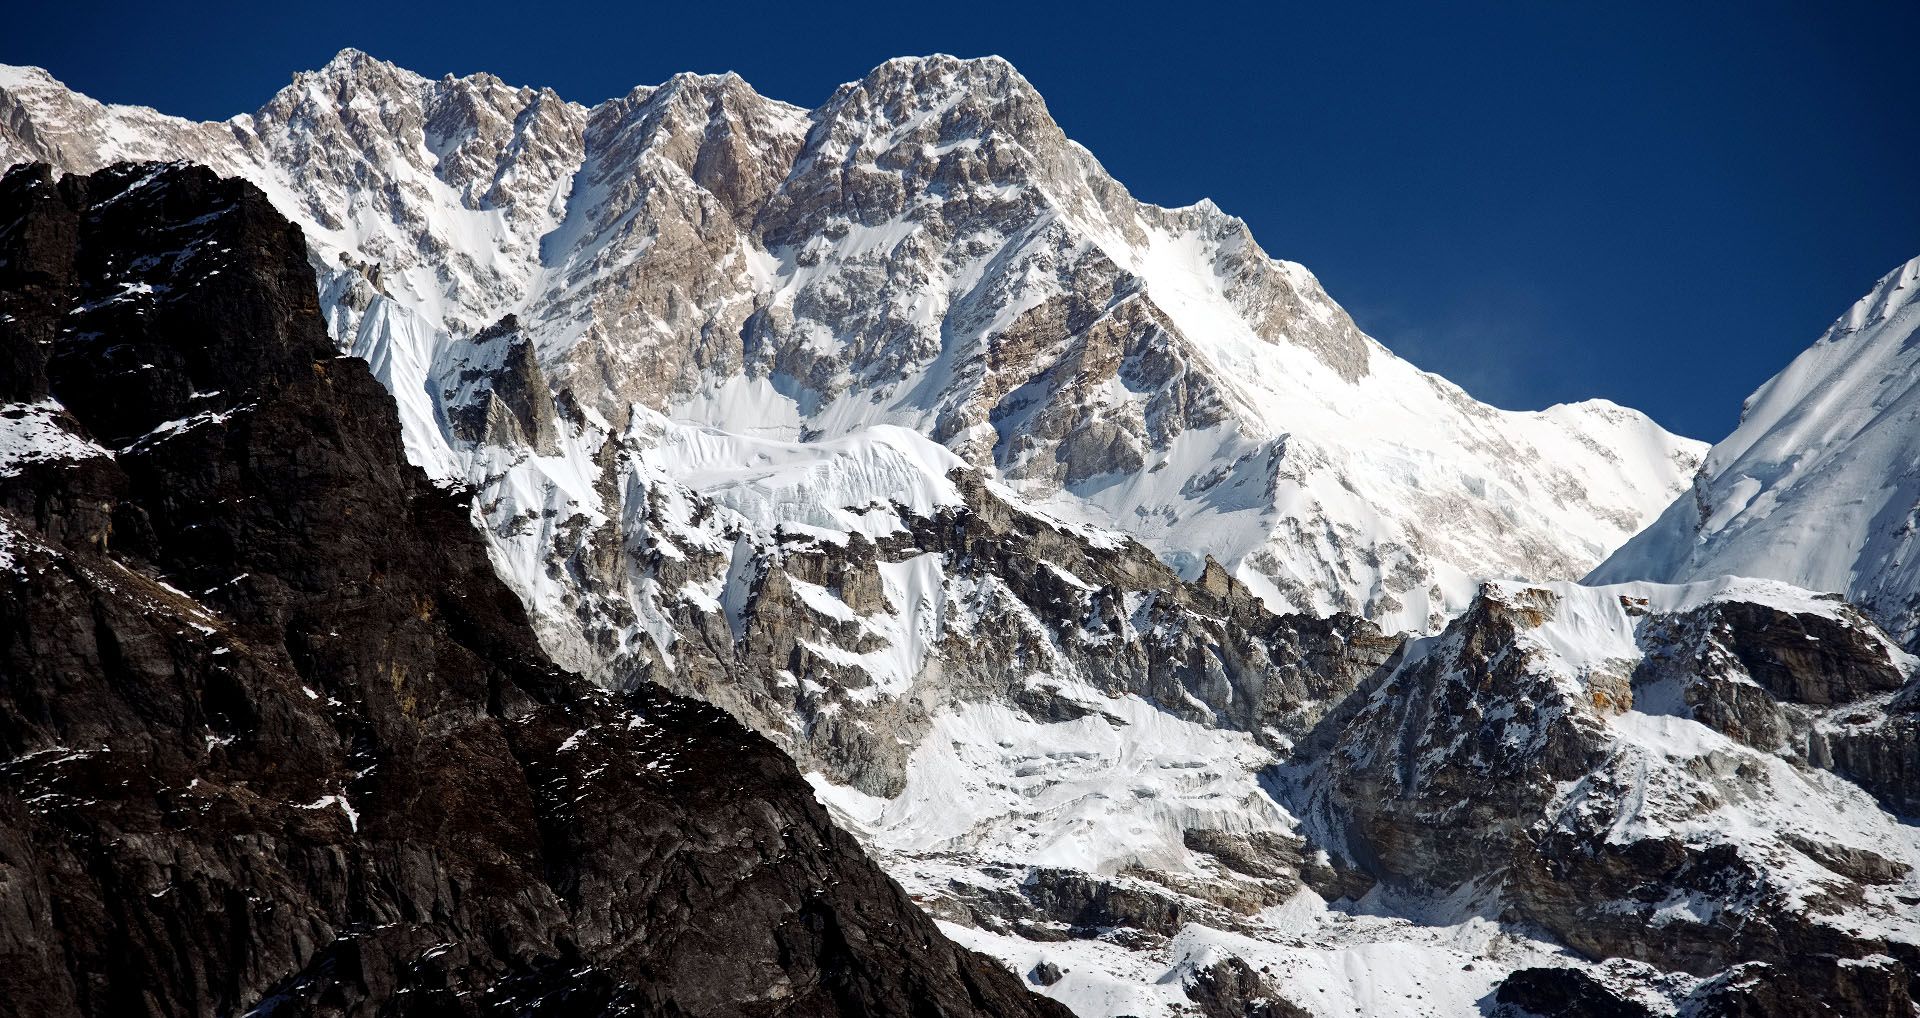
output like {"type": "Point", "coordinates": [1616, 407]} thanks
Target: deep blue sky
{"type": "Point", "coordinates": [1659, 204]}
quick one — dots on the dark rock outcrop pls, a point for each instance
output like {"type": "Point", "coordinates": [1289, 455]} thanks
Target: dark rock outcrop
{"type": "Point", "coordinates": [494, 392]}
{"type": "Point", "coordinates": [1443, 765]}
{"type": "Point", "coordinates": [1877, 750]}
{"type": "Point", "coordinates": [1230, 988]}
{"type": "Point", "coordinates": [1801, 657]}
{"type": "Point", "coordinates": [1561, 993]}
{"type": "Point", "coordinates": [275, 739]}
{"type": "Point", "coordinates": [1811, 987]}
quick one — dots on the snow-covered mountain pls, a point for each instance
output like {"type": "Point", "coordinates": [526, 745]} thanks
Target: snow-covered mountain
{"type": "Point", "coordinates": [1699, 777]}
{"type": "Point", "coordinates": [1819, 486]}
{"type": "Point", "coordinates": [925, 249]}
{"type": "Point", "coordinates": [898, 429]}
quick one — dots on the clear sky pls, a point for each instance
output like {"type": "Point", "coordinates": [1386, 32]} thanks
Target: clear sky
{"type": "Point", "coordinates": [1655, 203]}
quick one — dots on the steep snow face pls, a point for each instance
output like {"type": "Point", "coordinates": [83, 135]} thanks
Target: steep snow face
{"type": "Point", "coordinates": [1115, 789]}
{"type": "Point", "coordinates": [1820, 484]}
{"type": "Point", "coordinates": [925, 250]}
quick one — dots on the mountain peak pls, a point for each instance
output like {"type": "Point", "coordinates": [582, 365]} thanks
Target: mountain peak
{"type": "Point", "coordinates": [357, 70]}
{"type": "Point", "coordinates": [351, 59]}
{"type": "Point", "coordinates": [698, 80]}
{"type": "Point", "coordinates": [943, 75]}
{"type": "Point", "coordinates": [1818, 484]}
{"type": "Point", "coordinates": [928, 105]}
{"type": "Point", "coordinates": [1894, 291]}
{"type": "Point", "coordinates": [16, 76]}
{"type": "Point", "coordinates": [991, 64]}
{"type": "Point", "coordinates": [725, 86]}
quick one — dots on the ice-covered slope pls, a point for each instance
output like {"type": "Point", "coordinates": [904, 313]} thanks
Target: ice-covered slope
{"type": "Point", "coordinates": [926, 249]}
{"type": "Point", "coordinates": [1820, 484]}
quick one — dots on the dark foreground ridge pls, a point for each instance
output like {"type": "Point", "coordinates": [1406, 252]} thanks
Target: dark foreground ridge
{"type": "Point", "coordinates": [274, 739]}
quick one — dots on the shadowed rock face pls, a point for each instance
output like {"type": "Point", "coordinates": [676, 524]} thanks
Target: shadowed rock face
{"type": "Point", "coordinates": [1880, 753]}
{"type": "Point", "coordinates": [276, 739]}
{"type": "Point", "coordinates": [1870, 988]}
{"type": "Point", "coordinates": [494, 391]}
{"type": "Point", "coordinates": [1561, 993]}
{"type": "Point", "coordinates": [1818, 689]}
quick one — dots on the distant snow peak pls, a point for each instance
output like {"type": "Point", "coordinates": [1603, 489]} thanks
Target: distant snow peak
{"type": "Point", "coordinates": [1819, 486]}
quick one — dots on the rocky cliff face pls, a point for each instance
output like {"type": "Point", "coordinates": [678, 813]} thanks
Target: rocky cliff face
{"type": "Point", "coordinates": [1644, 772]}
{"type": "Point", "coordinates": [277, 739]}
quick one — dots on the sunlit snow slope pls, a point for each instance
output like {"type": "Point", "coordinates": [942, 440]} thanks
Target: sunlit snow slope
{"type": "Point", "coordinates": [1820, 484]}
